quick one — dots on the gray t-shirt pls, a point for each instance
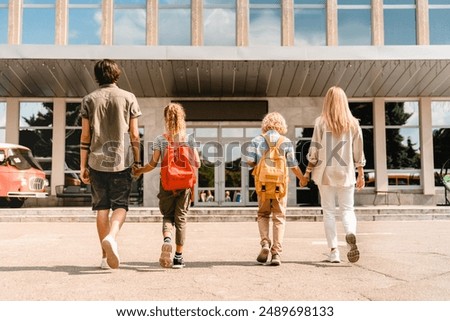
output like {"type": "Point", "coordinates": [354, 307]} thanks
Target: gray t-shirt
{"type": "Point", "coordinates": [109, 110]}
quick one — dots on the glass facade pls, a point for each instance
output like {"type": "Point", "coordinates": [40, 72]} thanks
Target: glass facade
{"type": "Point", "coordinates": [38, 25]}
{"type": "Point", "coordinates": [399, 22]}
{"type": "Point", "coordinates": [265, 23]}
{"type": "Point", "coordinates": [310, 23]}
{"type": "Point", "coordinates": [403, 143]}
{"type": "Point", "coordinates": [85, 22]}
{"type": "Point", "coordinates": [3, 21]}
{"type": "Point", "coordinates": [174, 15]}
{"type": "Point", "coordinates": [130, 22]}
{"type": "Point", "coordinates": [354, 22]}
{"type": "Point", "coordinates": [219, 23]}
{"type": "Point", "coordinates": [440, 118]}
{"type": "Point", "coordinates": [439, 13]}
{"type": "Point", "coordinates": [36, 131]}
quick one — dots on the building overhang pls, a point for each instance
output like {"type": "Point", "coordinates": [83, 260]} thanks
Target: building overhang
{"type": "Point", "coordinates": [42, 71]}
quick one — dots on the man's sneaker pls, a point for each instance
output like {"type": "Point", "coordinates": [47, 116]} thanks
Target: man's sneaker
{"type": "Point", "coordinates": [178, 263]}
{"type": "Point", "coordinates": [166, 253]}
{"type": "Point", "coordinates": [104, 265]}
{"type": "Point", "coordinates": [276, 260]}
{"type": "Point", "coordinates": [353, 253]}
{"type": "Point", "coordinates": [334, 257]}
{"type": "Point", "coordinates": [264, 254]}
{"type": "Point", "coordinates": [109, 245]}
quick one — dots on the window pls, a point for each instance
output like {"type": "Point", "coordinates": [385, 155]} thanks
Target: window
{"type": "Point", "coordinates": [38, 25]}
{"type": "Point", "coordinates": [219, 20]}
{"type": "Point", "coordinates": [85, 22]}
{"type": "Point", "coordinates": [439, 22]}
{"type": "Point", "coordinates": [399, 22]}
{"type": "Point", "coordinates": [72, 139]}
{"type": "Point", "coordinates": [2, 121]}
{"type": "Point", "coordinates": [440, 120]}
{"type": "Point", "coordinates": [174, 22]}
{"type": "Point", "coordinates": [36, 132]}
{"type": "Point", "coordinates": [3, 21]}
{"type": "Point", "coordinates": [364, 112]}
{"type": "Point", "coordinates": [403, 143]}
{"type": "Point", "coordinates": [130, 22]}
{"type": "Point", "coordinates": [310, 23]}
{"type": "Point", "coordinates": [265, 23]}
{"type": "Point", "coordinates": [354, 22]}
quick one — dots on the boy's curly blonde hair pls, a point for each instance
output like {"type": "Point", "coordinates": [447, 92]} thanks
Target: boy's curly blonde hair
{"type": "Point", "coordinates": [274, 121]}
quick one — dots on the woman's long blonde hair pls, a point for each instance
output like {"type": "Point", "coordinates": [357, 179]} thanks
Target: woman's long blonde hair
{"type": "Point", "coordinates": [276, 121]}
{"type": "Point", "coordinates": [174, 117]}
{"type": "Point", "coordinates": [336, 113]}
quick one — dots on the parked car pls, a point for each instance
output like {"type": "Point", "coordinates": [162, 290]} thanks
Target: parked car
{"type": "Point", "coordinates": [21, 176]}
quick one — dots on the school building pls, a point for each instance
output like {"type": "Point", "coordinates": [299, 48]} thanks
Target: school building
{"type": "Point", "coordinates": [229, 62]}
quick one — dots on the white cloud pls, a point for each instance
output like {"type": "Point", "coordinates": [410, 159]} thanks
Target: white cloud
{"type": "Point", "coordinates": [220, 27]}
{"type": "Point", "coordinates": [440, 113]}
{"type": "Point", "coordinates": [265, 29]}
{"type": "Point", "coordinates": [129, 27]}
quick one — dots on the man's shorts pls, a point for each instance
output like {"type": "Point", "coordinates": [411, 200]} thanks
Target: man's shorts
{"type": "Point", "coordinates": [110, 190]}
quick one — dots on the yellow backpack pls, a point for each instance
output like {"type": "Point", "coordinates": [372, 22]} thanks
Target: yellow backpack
{"type": "Point", "coordinates": [271, 172]}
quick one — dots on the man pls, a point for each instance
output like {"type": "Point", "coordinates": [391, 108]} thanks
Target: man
{"type": "Point", "coordinates": [109, 115]}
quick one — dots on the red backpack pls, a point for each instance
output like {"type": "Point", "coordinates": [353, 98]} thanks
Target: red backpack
{"type": "Point", "coordinates": [177, 170]}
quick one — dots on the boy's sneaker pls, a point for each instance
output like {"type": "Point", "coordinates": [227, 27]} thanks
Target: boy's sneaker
{"type": "Point", "coordinates": [178, 263]}
{"type": "Point", "coordinates": [353, 253]}
{"type": "Point", "coordinates": [109, 245]}
{"type": "Point", "coordinates": [264, 254]}
{"type": "Point", "coordinates": [166, 252]}
{"type": "Point", "coordinates": [276, 260]}
{"type": "Point", "coordinates": [334, 257]}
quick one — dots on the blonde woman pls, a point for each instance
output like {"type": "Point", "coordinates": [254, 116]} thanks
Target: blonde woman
{"type": "Point", "coordinates": [336, 150]}
{"type": "Point", "coordinates": [173, 205]}
{"type": "Point", "coordinates": [273, 127]}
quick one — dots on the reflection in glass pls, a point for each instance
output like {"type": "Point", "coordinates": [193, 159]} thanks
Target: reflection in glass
{"type": "Point", "coordinates": [38, 26]}
{"type": "Point", "coordinates": [310, 23]}
{"type": "Point", "coordinates": [3, 21]}
{"type": "Point", "coordinates": [439, 24]}
{"type": "Point", "coordinates": [206, 172]}
{"type": "Point", "coordinates": [206, 132]}
{"type": "Point", "coordinates": [130, 26]}
{"type": "Point", "coordinates": [265, 23]}
{"type": "Point", "coordinates": [174, 17]}
{"type": "Point", "coordinates": [219, 23]}
{"type": "Point", "coordinates": [84, 22]}
{"type": "Point", "coordinates": [232, 132]}
{"type": "Point", "coordinates": [252, 132]}
{"type": "Point", "coordinates": [72, 138]}
{"type": "Point", "coordinates": [354, 27]}
{"type": "Point", "coordinates": [440, 118]}
{"type": "Point", "coordinates": [232, 165]}
{"type": "Point", "coordinates": [400, 27]}
{"type": "Point", "coordinates": [2, 114]}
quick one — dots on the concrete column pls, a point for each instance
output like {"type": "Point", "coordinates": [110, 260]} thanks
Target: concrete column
{"type": "Point", "coordinates": [287, 23]}
{"type": "Point", "coordinates": [380, 145]}
{"type": "Point", "coordinates": [426, 146]}
{"type": "Point", "coordinates": [15, 22]}
{"type": "Point", "coordinates": [197, 22]}
{"type": "Point", "coordinates": [332, 32]}
{"type": "Point", "coordinates": [422, 22]}
{"type": "Point", "coordinates": [377, 23]}
{"type": "Point", "coordinates": [59, 143]}
{"type": "Point", "coordinates": [107, 22]}
{"type": "Point", "coordinates": [61, 22]}
{"type": "Point", "coordinates": [12, 120]}
{"type": "Point", "coordinates": [242, 17]}
{"type": "Point", "coordinates": [152, 23]}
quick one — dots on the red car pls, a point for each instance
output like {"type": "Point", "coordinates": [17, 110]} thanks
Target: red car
{"type": "Point", "coordinates": [21, 176]}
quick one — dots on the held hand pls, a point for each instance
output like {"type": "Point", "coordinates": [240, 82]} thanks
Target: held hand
{"type": "Point", "coordinates": [304, 181]}
{"type": "Point", "coordinates": [360, 182]}
{"type": "Point", "coordinates": [84, 175]}
{"type": "Point", "coordinates": [137, 170]}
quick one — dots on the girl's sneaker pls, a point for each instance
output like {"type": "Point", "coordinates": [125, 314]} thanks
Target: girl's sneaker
{"type": "Point", "coordinates": [334, 257]}
{"type": "Point", "coordinates": [178, 263]}
{"type": "Point", "coordinates": [353, 254]}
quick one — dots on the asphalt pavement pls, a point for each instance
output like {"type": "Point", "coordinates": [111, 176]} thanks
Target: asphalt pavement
{"type": "Point", "coordinates": [400, 261]}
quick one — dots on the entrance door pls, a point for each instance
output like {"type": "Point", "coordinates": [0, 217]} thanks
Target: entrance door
{"type": "Point", "coordinates": [223, 179]}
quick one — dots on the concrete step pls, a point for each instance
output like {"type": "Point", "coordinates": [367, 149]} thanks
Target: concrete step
{"type": "Point", "coordinates": [229, 214]}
